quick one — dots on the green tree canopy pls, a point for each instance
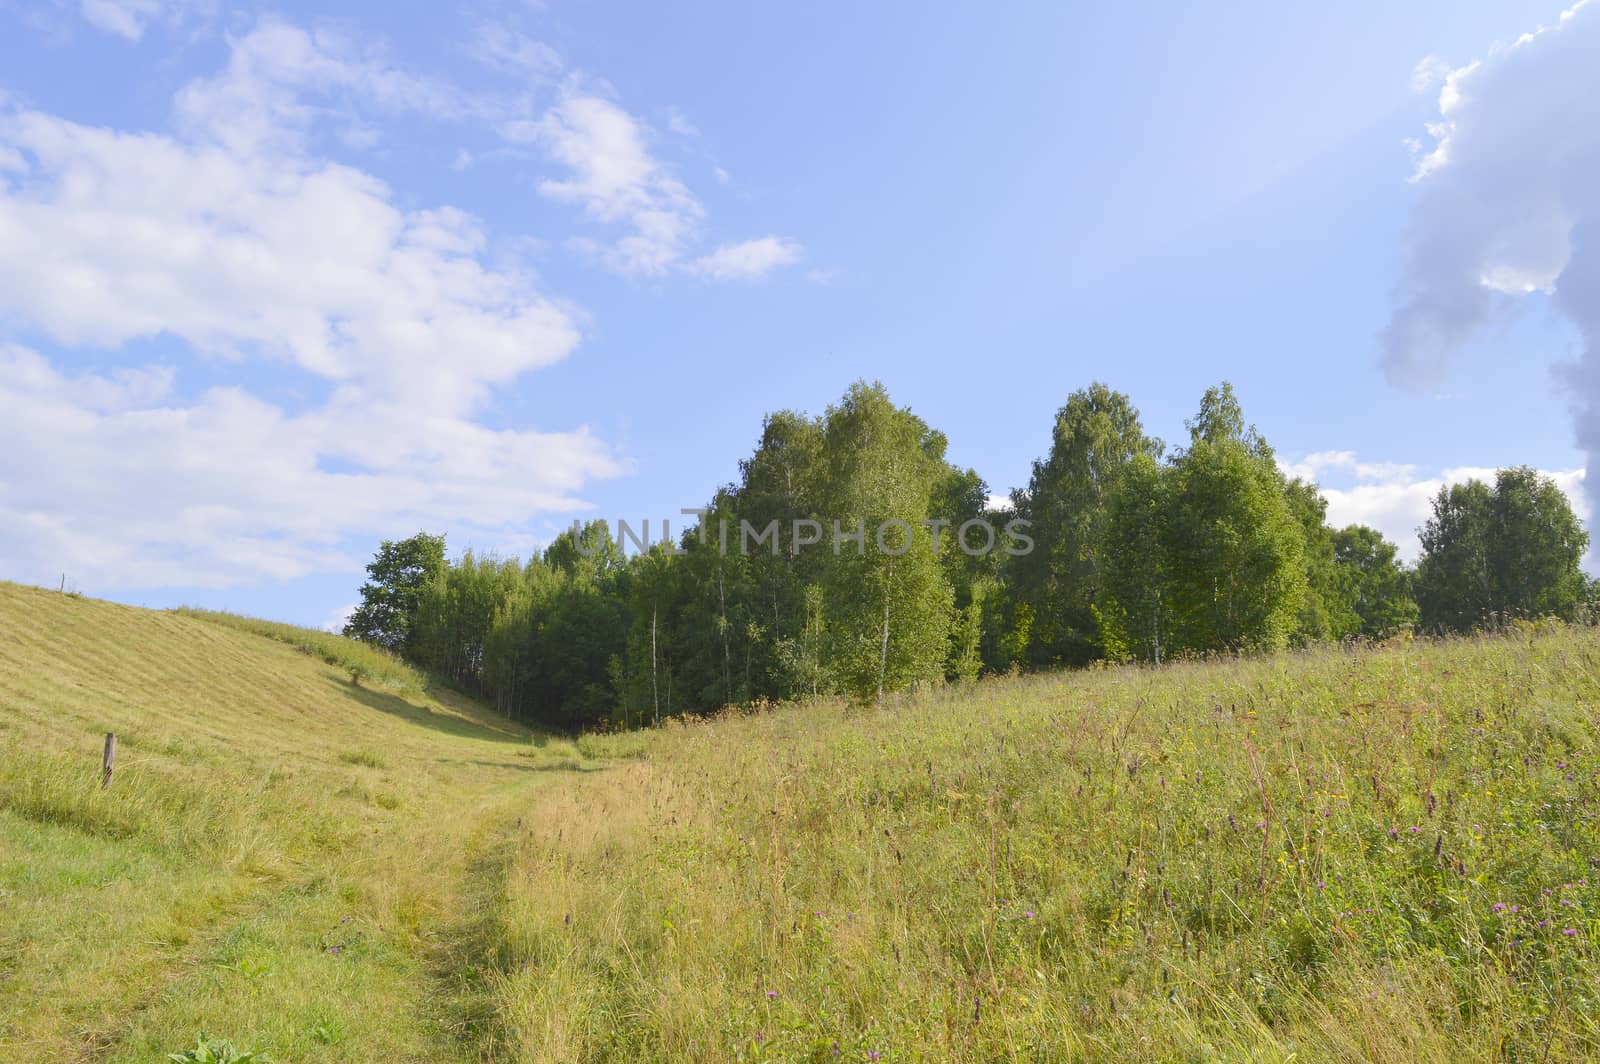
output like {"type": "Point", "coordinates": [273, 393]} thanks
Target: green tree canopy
{"type": "Point", "coordinates": [1509, 550]}
{"type": "Point", "coordinates": [396, 577]}
{"type": "Point", "coordinates": [1097, 435]}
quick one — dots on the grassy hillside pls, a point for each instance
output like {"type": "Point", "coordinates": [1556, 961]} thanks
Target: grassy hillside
{"type": "Point", "coordinates": [1383, 854]}
{"type": "Point", "coordinates": [284, 857]}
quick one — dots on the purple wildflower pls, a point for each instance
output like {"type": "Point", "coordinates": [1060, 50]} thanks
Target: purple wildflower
{"type": "Point", "coordinates": [1499, 906]}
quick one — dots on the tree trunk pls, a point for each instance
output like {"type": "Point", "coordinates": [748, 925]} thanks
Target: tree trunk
{"type": "Point", "coordinates": [727, 652]}
{"type": "Point", "coordinates": [883, 653]}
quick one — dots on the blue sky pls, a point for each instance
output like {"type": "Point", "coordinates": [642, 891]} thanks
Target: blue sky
{"type": "Point", "coordinates": [276, 282]}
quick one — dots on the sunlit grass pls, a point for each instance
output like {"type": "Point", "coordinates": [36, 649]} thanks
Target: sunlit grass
{"type": "Point", "coordinates": [1383, 854]}
{"type": "Point", "coordinates": [284, 859]}
{"type": "Point", "coordinates": [362, 661]}
{"type": "Point", "coordinates": [1375, 854]}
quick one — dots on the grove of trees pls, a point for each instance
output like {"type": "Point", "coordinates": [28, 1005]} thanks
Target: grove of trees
{"type": "Point", "coordinates": [1139, 551]}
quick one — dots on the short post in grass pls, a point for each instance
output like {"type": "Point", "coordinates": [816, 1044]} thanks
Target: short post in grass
{"type": "Point", "coordinates": [110, 760]}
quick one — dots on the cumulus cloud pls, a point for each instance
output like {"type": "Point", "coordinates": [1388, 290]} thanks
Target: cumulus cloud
{"type": "Point", "coordinates": [617, 180]}
{"type": "Point", "coordinates": [236, 239]}
{"type": "Point", "coordinates": [1397, 499]}
{"type": "Point", "coordinates": [1509, 204]}
{"type": "Point", "coordinates": [107, 237]}
{"type": "Point", "coordinates": [747, 261]}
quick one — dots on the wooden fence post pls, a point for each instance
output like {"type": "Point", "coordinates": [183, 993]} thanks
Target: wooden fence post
{"type": "Point", "coordinates": [110, 760]}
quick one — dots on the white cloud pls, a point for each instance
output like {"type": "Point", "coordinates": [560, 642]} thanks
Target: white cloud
{"type": "Point", "coordinates": [747, 261]}
{"type": "Point", "coordinates": [130, 18]}
{"type": "Point", "coordinates": [1394, 498]}
{"type": "Point", "coordinates": [127, 487]}
{"type": "Point", "coordinates": [107, 237]}
{"type": "Point", "coordinates": [233, 237]}
{"type": "Point", "coordinates": [512, 52]}
{"type": "Point", "coordinates": [339, 617]}
{"type": "Point", "coordinates": [281, 79]}
{"type": "Point", "coordinates": [125, 18]}
{"type": "Point", "coordinates": [1429, 72]}
{"type": "Point", "coordinates": [1509, 204]}
{"type": "Point", "coordinates": [615, 179]}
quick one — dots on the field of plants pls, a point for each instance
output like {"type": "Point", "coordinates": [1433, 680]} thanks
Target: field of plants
{"type": "Point", "coordinates": [1385, 853]}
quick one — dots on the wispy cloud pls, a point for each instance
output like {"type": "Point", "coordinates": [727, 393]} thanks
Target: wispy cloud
{"type": "Point", "coordinates": [130, 18]}
{"type": "Point", "coordinates": [748, 260]}
{"type": "Point", "coordinates": [515, 53]}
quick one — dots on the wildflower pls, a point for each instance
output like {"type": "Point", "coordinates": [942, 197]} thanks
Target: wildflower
{"type": "Point", "coordinates": [772, 993]}
{"type": "Point", "coordinates": [1416, 831]}
{"type": "Point", "coordinates": [1569, 931]}
{"type": "Point", "coordinates": [1321, 885]}
{"type": "Point", "coordinates": [1394, 833]}
{"type": "Point", "coordinates": [1499, 906]}
{"type": "Point", "coordinates": [1028, 915]}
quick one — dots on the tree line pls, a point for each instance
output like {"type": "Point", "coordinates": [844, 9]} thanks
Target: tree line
{"type": "Point", "coordinates": [1139, 551]}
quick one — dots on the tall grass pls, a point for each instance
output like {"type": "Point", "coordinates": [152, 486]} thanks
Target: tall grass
{"type": "Point", "coordinates": [1373, 854]}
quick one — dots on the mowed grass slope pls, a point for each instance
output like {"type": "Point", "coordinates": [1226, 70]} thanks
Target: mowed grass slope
{"type": "Point", "coordinates": [285, 858]}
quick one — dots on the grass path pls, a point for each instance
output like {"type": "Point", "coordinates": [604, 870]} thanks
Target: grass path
{"type": "Point", "coordinates": [285, 859]}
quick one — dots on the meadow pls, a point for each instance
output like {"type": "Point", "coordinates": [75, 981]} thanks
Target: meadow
{"type": "Point", "coordinates": [1378, 852]}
